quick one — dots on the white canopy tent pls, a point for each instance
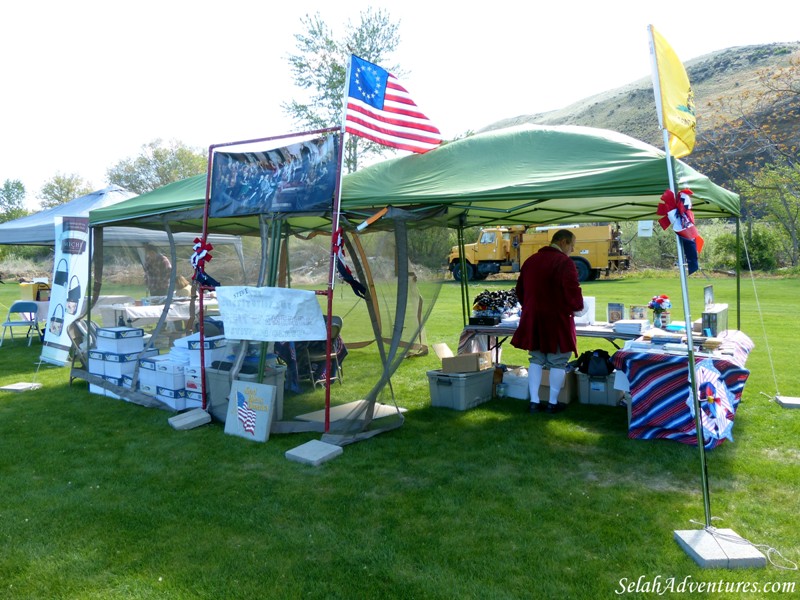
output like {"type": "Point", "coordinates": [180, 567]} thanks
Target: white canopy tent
{"type": "Point", "coordinates": [38, 229]}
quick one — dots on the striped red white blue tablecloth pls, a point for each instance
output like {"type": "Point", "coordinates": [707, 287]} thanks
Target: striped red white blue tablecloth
{"type": "Point", "coordinates": [661, 401]}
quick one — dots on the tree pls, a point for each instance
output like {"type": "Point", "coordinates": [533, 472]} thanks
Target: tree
{"type": "Point", "coordinates": [754, 144]}
{"type": "Point", "coordinates": [62, 188]}
{"type": "Point", "coordinates": [319, 66]}
{"type": "Point", "coordinates": [12, 200]}
{"type": "Point", "coordinates": [158, 165]}
{"type": "Point", "coordinates": [776, 188]}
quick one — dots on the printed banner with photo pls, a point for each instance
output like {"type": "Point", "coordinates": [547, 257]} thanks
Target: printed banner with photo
{"type": "Point", "coordinates": [67, 294]}
{"type": "Point", "coordinates": [300, 177]}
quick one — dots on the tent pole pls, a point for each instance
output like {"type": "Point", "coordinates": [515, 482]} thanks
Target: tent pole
{"type": "Point", "coordinates": [335, 218]}
{"type": "Point", "coordinates": [739, 273]}
{"type": "Point", "coordinates": [698, 422]}
{"type": "Point", "coordinates": [463, 280]}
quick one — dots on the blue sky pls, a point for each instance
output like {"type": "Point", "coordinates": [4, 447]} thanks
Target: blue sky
{"type": "Point", "coordinates": [88, 82]}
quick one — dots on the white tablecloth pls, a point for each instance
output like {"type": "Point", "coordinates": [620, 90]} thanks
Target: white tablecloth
{"type": "Point", "coordinates": [138, 316]}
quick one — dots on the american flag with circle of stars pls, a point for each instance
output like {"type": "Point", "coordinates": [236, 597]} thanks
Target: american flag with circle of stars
{"type": "Point", "coordinates": [380, 109]}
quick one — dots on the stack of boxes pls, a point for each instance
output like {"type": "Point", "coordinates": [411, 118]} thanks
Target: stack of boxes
{"type": "Point", "coordinates": [194, 386]}
{"type": "Point", "coordinates": [162, 377]}
{"type": "Point", "coordinates": [464, 381]}
{"type": "Point", "coordinates": [114, 357]}
{"type": "Point", "coordinates": [175, 378]}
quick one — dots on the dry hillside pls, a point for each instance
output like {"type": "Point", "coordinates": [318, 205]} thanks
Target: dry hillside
{"type": "Point", "coordinates": [631, 109]}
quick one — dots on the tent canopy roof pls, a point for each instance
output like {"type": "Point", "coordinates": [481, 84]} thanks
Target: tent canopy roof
{"type": "Point", "coordinates": [38, 229]}
{"type": "Point", "coordinates": [525, 174]}
{"type": "Point", "coordinates": [537, 174]}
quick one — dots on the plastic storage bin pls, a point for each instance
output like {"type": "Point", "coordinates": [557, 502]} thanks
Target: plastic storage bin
{"type": "Point", "coordinates": [460, 391]}
{"type": "Point", "coordinates": [219, 387]}
{"type": "Point", "coordinates": [598, 390]}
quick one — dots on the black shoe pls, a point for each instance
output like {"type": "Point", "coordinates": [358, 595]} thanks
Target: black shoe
{"type": "Point", "coordinates": [556, 408]}
{"type": "Point", "coordinates": [535, 407]}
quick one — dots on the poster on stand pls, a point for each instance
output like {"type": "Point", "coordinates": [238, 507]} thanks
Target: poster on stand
{"type": "Point", "coordinates": [67, 294]}
{"type": "Point", "coordinates": [250, 409]}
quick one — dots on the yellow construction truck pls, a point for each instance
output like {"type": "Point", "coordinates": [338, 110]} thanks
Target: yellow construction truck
{"type": "Point", "coordinates": [598, 248]}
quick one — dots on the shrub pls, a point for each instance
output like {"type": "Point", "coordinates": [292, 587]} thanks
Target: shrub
{"type": "Point", "coordinates": [760, 250]}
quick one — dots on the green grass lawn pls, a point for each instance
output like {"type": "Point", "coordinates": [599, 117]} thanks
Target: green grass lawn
{"type": "Point", "coordinates": [103, 499]}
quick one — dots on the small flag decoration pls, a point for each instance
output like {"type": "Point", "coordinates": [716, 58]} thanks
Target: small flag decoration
{"type": "Point", "coordinates": [247, 416]}
{"type": "Point", "coordinates": [678, 213]}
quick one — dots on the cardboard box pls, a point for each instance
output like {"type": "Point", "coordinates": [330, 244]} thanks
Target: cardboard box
{"type": "Point", "coordinates": [460, 391]}
{"type": "Point", "coordinates": [120, 339]}
{"type": "Point", "coordinates": [38, 291]}
{"type": "Point", "coordinates": [147, 373]}
{"type": "Point", "coordinates": [210, 356]}
{"type": "Point", "coordinates": [598, 390]}
{"type": "Point", "coordinates": [463, 363]}
{"type": "Point", "coordinates": [214, 349]}
{"type": "Point", "coordinates": [194, 399]}
{"type": "Point", "coordinates": [175, 399]}
{"type": "Point", "coordinates": [169, 375]}
{"type": "Point", "coordinates": [715, 319]}
{"type": "Point", "coordinates": [113, 381]}
{"type": "Point", "coordinates": [96, 362]}
{"type": "Point", "coordinates": [121, 364]}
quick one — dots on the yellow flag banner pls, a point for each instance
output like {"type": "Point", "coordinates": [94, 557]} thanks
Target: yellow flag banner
{"type": "Point", "coordinates": [674, 95]}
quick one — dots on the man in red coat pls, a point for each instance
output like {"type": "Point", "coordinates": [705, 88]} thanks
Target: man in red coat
{"type": "Point", "coordinates": [550, 295]}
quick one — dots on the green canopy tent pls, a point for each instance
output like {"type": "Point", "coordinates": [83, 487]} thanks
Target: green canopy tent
{"type": "Point", "coordinates": [526, 174]}
{"type": "Point", "coordinates": [535, 174]}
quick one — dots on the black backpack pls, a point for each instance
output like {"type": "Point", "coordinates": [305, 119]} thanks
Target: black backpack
{"type": "Point", "coordinates": [595, 363]}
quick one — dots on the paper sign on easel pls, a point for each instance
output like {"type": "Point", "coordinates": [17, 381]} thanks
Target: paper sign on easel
{"type": "Point", "coordinates": [269, 314]}
{"type": "Point", "coordinates": [250, 407]}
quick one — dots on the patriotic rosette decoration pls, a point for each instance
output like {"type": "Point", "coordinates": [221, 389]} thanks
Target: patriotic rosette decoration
{"type": "Point", "coordinates": [716, 402]}
{"type": "Point", "coordinates": [678, 213]}
{"type": "Point", "coordinates": [200, 256]}
{"type": "Point", "coordinates": [342, 268]}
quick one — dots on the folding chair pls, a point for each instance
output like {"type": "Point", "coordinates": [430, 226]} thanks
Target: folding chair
{"type": "Point", "coordinates": [315, 353]}
{"type": "Point", "coordinates": [22, 314]}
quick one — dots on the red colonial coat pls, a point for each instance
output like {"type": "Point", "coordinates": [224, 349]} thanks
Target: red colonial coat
{"type": "Point", "coordinates": [549, 293]}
